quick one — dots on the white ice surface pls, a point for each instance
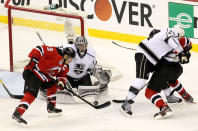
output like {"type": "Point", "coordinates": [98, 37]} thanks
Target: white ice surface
{"type": "Point", "coordinates": [82, 117]}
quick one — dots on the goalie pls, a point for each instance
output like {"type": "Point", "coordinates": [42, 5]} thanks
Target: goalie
{"type": "Point", "coordinates": [83, 70]}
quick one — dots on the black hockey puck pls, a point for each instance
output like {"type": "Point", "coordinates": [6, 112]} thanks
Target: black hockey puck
{"type": "Point", "coordinates": [95, 102]}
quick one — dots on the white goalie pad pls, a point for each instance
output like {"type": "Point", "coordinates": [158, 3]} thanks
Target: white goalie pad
{"type": "Point", "coordinates": [64, 97]}
{"type": "Point", "coordinates": [90, 93]}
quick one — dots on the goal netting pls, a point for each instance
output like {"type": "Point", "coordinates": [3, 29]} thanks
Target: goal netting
{"type": "Point", "coordinates": [55, 26]}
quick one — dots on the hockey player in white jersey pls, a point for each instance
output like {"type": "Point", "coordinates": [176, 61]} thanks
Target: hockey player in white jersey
{"type": "Point", "coordinates": [149, 53]}
{"type": "Point", "coordinates": [167, 72]}
{"type": "Point", "coordinates": [83, 66]}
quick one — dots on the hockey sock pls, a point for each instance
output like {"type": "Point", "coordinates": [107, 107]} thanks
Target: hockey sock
{"type": "Point", "coordinates": [25, 102]}
{"type": "Point", "coordinates": [133, 92]}
{"type": "Point", "coordinates": [154, 97]}
{"type": "Point", "coordinates": [51, 95]}
{"type": "Point", "coordinates": [177, 86]}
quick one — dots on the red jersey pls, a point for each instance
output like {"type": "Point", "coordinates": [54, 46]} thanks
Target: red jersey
{"type": "Point", "coordinates": [50, 65]}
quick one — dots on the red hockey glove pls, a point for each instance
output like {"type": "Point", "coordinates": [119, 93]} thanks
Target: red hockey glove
{"type": "Point", "coordinates": [31, 64]}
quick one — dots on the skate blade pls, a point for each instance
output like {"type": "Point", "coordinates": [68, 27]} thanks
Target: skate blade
{"type": "Point", "coordinates": [125, 113]}
{"type": "Point", "coordinates": [51, 115]}
{"type": "Point", "coordinates": [21, 124]}
{"type": "Point", "coordinates": [159, 117]}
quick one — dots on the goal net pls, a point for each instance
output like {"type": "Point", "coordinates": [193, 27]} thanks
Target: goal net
{"type": "Point", "coordinates": [55, 26]}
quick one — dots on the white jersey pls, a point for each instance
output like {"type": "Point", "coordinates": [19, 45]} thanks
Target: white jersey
{"type": "Point", "coordinates": [79, 66]}
{"type": "Point", "coordinates": [172, 57]}
{"type": "Point", "coordinates": [160, 44]}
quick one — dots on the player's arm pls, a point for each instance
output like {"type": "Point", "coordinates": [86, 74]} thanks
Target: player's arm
{"type": "Point", "coordinates": [187, 46]}
{"type": "Point", "coordinates": [34, 56]}
{"type": "Point", "coordinates": [62, 77]}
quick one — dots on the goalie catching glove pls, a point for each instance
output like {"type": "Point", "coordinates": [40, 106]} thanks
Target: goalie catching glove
{"type": "Point", "coordinates": [103, 76]}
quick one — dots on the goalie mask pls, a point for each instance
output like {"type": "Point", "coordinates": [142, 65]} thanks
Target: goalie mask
{"type": "Point", "coordinates": [81, 45]}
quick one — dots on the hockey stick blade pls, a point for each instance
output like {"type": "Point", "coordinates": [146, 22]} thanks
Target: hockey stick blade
{"type": "Point", "coordinates": [106, 104]}
{"type": "Point", "coordinates": [10, 94]}
{"type": "Point", "coordinates": [118, 101]}
{"type": "Point", "coordinates": [123, 46]}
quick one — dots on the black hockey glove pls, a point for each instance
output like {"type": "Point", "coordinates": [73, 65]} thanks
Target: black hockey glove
{"type": "Point", "coordinates": [184, 57]}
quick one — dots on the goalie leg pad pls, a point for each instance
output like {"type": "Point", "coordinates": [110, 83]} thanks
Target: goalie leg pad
{"type": "Point", "coordinates": [64, 97]}
{"type": "Point", "coordinates": [90, 93]}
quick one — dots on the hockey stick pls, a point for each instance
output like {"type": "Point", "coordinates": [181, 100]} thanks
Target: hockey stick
{"type": "Point", "coordinates": [106, 104]}
{"type": "Point", "coordinates": [123, 46]}
{"type": "Point", "coordinates": [40, 38]}
{"type": "Point", "coordinates": [10, 94]}
{"type": "Point", "coordinates": [122, 101]}
{"type": "Point", "coordinates": [118, 101]}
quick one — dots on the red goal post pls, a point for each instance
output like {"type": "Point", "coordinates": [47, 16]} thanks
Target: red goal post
{"type": "Point", "coordinates": [32, 10]}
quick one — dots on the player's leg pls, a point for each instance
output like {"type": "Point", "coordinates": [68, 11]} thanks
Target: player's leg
{"type": "Point", "coordinates": [170, 97]}
{"type": "Point", "coordinates": [51, 101]}
{"type": "Point", "coordinates": [177, 86]}
{"type": "Point", "coordinates": [143, 68]}
{"type": "Point", "coordinates": [32, 84]}
{"type": "Point", "coordinates": [157, 81]}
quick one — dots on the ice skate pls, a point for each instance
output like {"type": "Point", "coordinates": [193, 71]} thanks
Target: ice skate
{"type": "Point", "coordinates": [187, 97]}
{"type": "Point", "coordinates": [53, 112]}
{"type": "Point", "coordinates": [16, 116]}
{"type": "Point", "coordinates": [165, 112]}
{"type": "Point", "coordinates": [173, 99]}
{"type": "Point", "coordinates": [126, 107]}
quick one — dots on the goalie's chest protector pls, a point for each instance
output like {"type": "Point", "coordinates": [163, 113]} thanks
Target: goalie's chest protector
{"type": "Point", "coordinates": [79, 66]}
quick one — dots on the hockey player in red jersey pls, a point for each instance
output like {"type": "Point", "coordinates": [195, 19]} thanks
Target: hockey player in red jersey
{"type": "Point", "coordinates": [175, 84]}
{"type": "Point", "coordinates": [47, 68]}
{"type": "Point", "coordinates": [167, 72]}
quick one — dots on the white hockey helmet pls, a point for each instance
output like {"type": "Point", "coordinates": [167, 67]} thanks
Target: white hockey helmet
{"type": "Point", "coordinates": [81, 44]}
{"type": "Point", "coordinates": [179, 29]}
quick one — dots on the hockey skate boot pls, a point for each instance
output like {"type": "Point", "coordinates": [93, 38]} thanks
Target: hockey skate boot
{"type": "Point", "coordinates": [53, 111]}
{"type": "Point", "coordinates": [173, 99]}
{"type": "Point", "coordinates": [187, 97]}
{"type": "Point", "coordinates": [165, 112]}
{"type": "Point", "coordinates": [17, 116]}
{"type": "Point", "coordinates": [126, 107]}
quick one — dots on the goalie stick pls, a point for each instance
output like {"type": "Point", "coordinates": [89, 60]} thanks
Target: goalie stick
{"type": "Point", "coordinates": [123, 46]}
{"type": "Point", "coordinates": [10, 94]}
